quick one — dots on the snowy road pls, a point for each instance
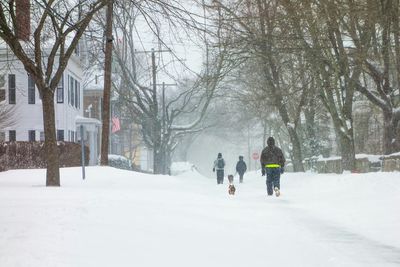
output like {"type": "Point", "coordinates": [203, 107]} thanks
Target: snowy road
{"type": "Point", "coordinates": [119, 218]}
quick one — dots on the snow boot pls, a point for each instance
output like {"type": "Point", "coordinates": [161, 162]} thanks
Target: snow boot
{"type": "Point", "coordinates": [277, 191]}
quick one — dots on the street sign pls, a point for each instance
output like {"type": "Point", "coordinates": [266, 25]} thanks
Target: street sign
{"type": "Point", "coordinates": [255, 155]}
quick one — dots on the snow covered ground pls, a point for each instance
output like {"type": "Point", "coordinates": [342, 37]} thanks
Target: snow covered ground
{"type": "Point", "coordinates": [122, 218]}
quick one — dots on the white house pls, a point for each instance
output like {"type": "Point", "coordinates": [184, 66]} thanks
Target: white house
{"type": "Point", "coordinates": [21, 93]}
{"type": "Point", "coordinates": [18, 90]}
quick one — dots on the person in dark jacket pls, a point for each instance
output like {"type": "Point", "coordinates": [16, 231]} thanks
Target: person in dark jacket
{"type": "Point", "coordinates": [272, 164]}
{"type": "Point", "coordinates": [241, 168]}
{"type": "Point", "coordinates": [219, 165]}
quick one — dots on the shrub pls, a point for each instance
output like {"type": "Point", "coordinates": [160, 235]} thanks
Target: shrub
{"type": "Point", "coordinates": [119, 162]}
{"type": "Point", "coordinates": [32, 155]}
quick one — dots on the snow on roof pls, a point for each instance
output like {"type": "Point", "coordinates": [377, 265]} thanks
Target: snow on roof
{"type": "Point", "coordinates": [85, 120]}
{"type": "Point", "coordinates": [371, 158]}
{"type": "Point", "coordinates": [320, 158]}
{"type": "Point", "coordinates": [94, 79]}
{"type": "Point", "coordinates": [397, 154]}
{"type": "Point", "coordinates": [116, 157]}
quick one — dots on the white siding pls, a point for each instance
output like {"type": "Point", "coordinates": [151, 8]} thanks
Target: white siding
{"type": "Point", "coordinates": [30, 116]}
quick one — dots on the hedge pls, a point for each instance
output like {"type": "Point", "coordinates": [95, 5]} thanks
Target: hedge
{"type": "Point", "coordinates": [32, 155]}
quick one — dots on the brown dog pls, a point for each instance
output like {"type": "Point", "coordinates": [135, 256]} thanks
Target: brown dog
{"type": "Point", "coordinates": [231, 188]}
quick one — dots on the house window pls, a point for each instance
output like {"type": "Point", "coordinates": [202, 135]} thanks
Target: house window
{"type": "Point", "coordinates": [2, 136]}
{"type": "Point", "coordinates": [60, 135]}
{"type": "Point", "coordinates": [31, 90]}
{"type": "Point", "coordinates": [42, 136]}
{"type": "Point", "coordinates": [32, 135]}
{"type": "Point", "coordinates": [11, 89]}
{"type": "Point", "coordinates": [12, 136]}
{"type": "Point", "coordinates": [60, 90]}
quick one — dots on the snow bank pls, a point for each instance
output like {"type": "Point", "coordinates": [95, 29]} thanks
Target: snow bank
{"type": "Point", "coordinates": [124, 218]}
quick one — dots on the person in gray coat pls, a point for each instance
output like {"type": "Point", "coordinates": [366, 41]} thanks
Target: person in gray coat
{"type": "Point", "coordinates": [219, 165]}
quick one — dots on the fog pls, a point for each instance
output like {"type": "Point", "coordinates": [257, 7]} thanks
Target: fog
{"type": "Point", "coordinates": [205, 148]}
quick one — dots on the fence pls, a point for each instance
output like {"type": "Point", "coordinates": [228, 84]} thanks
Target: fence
{"type": "Point", "coordinates": [364, 163]}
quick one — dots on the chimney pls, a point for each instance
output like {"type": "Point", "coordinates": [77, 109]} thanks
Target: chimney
{"type": "Point", "coordinates": [23, 26]}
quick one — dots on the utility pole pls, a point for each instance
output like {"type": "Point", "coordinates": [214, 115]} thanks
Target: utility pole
{"type": "Point", "coordinates": [206, 42]}
{"type": "Point", "coordinates": [163, 102]}
{"type": "Point", "coordinates": [107, 85]}
{"type": "Point", "coordinates": [154, 71]}
{"type": "Point", "coordinates": [156, 131]}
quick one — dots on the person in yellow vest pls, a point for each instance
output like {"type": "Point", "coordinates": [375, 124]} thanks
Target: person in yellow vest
{"type": "Point", "coordinates": [272, 164]}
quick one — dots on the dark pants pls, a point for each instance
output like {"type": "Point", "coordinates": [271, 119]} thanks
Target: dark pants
{"type": "Point", "coordinates": [220, 176]}
{"type": "Point", "coordinates": [273, 179]}
{"type": "Point", "coordinates": [241, 177]}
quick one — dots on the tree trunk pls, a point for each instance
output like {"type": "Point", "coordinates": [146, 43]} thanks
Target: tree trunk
{"type": "Point", "coordinates": [52, 157]}
{"type": "Point", "coordinates": [297, 157]}
{"type": "Point", "coordinates": [264, 133]}
{"type": "Point", "coordinates": [105, 116]}
{"type": "Point", "coordinates": [168, 161]}
{"type": "Point", "coordinates": [163, 166]}
{"type": "Point", "coordinates": [311, 134]}
{"type": "Point", "coordinates": [347, 152]}
{"type": "Point", "coordinates": [346, 143]}
{"type": "Point", "coordinates": [158, 161]}
{"type": "Point", "coordinates": [389, 133]}
{"type": "Point", "coordinates": [157, 146]}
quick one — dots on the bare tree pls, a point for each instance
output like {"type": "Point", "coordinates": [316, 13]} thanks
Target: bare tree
{"type": "Point", "coordinates": [57, 28]}
{"type": "Point", "coordinates": [165, 120]}
{"type": "Point", "coordinates": [320, 28]}
{"type": "Point", "coordinates": [7, 113]}
{"type": "Point", "coordinates": [354, 46]}
{"type": "Point", "coordinates": [380, 62]}
{"type": "Point", "coordinates": [7, 116]}
{"type": "Point", "coordinates": [255, 26]}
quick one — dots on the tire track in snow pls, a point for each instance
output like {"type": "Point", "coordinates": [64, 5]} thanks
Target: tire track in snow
{"type": "Point", "coordinates": [361, 249]}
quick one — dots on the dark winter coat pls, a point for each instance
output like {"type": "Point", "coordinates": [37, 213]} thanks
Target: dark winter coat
{"type": "Point", "coordinates": [272, 154]}
{"type": "Point", "coordinates": [241, 167]}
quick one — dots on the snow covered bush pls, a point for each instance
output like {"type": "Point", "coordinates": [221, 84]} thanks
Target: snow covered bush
{"type": "Point", "coordinates": [178, 168]}
{"type": "Point", "coordinates": [120, 162]}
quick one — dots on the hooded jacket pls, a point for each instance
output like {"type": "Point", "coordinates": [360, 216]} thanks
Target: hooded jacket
{"type": "Point", "coordinates": [241, 166]}
{"type": "Point", "coordinates": [272, 154]}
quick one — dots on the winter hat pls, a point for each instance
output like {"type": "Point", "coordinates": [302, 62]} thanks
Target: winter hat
{"type": "Point", "coordinates": [271, 141]}
{"type": "Point", "coordinates": [219, 155]}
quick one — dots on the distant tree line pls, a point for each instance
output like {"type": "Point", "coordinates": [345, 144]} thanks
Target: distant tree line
{"type": "Point", "coordinates": [318, 65]}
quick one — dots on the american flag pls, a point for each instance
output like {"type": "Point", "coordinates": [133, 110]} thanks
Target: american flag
{"type": "Point", "coordinates": [116, 126]}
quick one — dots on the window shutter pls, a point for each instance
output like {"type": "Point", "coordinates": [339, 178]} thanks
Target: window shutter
{"type": "Point", "coordinates": [11, 89]}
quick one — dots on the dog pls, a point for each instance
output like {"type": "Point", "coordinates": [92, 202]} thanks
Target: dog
{"type": "Point", "coordinates": [231, 187]}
